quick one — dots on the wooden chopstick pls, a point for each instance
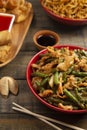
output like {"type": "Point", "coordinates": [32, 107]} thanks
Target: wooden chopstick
{"type": "Point", "coordinates": [41, 117]}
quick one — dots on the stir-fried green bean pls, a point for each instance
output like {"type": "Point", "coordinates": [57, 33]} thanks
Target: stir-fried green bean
{"type": "Point", "coordinates": [54, 100]}
{"type": "Point", "coordinates": [44, 81]}
{"type": "Point", "coordinates": [61, 81]}
{"type": "Point", "coordinates": [78, 95]}
{"type": "Point", "coordinates": [79, 74]}
{"type": "Point", "coordinates": [73, 98]}
{"type": "Point", "coordinates": [81, 96]}
{"type": "Point", "coordinates": [39, 74]}
{"type": "Point", "coordinates": [64, 77]}
{"type": "Point", "coordinates": [37, 83]}
{"type": "Point", "coordinates": [56, 81]}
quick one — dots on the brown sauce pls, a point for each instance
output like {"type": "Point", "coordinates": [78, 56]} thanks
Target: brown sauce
{"type": "Point", "coordinates": [46, 40]}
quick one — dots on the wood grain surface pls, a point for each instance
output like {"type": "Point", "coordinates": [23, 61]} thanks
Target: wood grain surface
{"type": "Point", "coordinates": [12, 120]}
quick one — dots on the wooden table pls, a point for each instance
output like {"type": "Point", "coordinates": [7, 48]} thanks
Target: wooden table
{"type": "Point", "coordinates": [12, 120]}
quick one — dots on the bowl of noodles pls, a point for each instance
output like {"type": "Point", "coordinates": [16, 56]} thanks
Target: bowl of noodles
{"type": "Point", "coordinates": [67, 12]}
{"type": "Point", "coordinates": [57, 76]}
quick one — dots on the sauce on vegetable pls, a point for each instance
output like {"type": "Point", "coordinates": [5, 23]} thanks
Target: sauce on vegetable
{"type": "Point", "coordinates": [46, 40]}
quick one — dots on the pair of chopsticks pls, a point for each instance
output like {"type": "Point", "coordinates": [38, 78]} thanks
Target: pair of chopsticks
{"type": "Point", "coordinates": [44, 118]}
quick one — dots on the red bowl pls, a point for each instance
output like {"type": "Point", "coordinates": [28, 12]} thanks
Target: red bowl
{"type": "Point", "coordinates": [66, 21]}
{"type": "Point", "coordinates": [28, 77]}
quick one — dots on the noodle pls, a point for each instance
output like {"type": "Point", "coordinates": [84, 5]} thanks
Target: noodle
{"type": "Point", "coordinates": [76, 9]}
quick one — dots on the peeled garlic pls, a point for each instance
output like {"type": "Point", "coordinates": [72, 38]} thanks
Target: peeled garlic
{"type": "Point", "coordinates": [8, 84]}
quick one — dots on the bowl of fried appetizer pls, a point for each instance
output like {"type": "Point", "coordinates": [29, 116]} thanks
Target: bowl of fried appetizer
{"type": "Point", "coordinates": [57, 76]}
{"type": "Point", "coordinates": [67, 12]}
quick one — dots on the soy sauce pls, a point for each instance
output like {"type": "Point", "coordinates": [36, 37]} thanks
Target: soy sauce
{"type": "Point", "coordinates": [46, 40]}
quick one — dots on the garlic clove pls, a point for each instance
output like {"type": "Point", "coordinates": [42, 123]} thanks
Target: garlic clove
{"type": "Point", "coordinates": [4, 88]}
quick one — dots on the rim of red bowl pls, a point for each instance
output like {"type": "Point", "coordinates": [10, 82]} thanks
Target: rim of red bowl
{"type": "Point", "coordinates": [60, 17]}
{"type": "Point", "coordinates": [29, 71]}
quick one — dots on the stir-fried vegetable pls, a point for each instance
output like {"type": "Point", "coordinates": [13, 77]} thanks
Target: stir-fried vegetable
{"type": "Point", "coordinates": [60, 78]}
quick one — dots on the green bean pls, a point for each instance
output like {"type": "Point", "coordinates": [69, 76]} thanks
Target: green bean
{"type": "Point", "coordinates": [36, 86]}
{"type": "Point", "coordinates": [44, 81]}
{"type": "Point", "coordinates": [84, 79]}
{"type": "Point", "coordinates": [80, 74]}
{"type": "Point", "coordinates": [62, 50]}
{"type": "Point", "coordinates": [80, 79]}
{"type": "Point", "coordinates": [55, 100]}
{"type": "Point", "coordinates": [48, 60]}
{"type": "Point", "coordinates": [64, 77]}
{"type": "Point", "coordinates": [56, 81]}
{"type": "Point", "coordinates": [70, 70]}
{"type": "Point", "coordinates": [39, 74]}
{"type": "Point", "coordinates": [37, 83]}
{"type": "Point", "coordinates": [79, 97]}
{"type": "Point", "coordinates": [41, 89]}
{"type": "Point", "coordinates": [82, 95]}
{"type": "Point", "coordinates": [82, 88]}
{"type": "Point", "coordinates": [73, 98]}
{"type": "Point", "coordinates": [83, 52]}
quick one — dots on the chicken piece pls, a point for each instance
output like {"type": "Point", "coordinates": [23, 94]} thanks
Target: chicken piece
{"type": "Point", "coordinates": [53, 52]}
{"type": "Point", "coordinates": [49, 65]}
{"type": "Point", "coordinates": [60, 87]}
{"type": "Point", "coordinates": [65, 107]}
{"type": "Point", "coordinates": [69, 60]}
{"type": "Point", "coordinates": [83, 64]}
{"type": "Point", "coordinates": [82, 84]}
{"type": "Point", "coordinates": [46, 93]}
{"type": "Point", "coordinates": [35, 66]}
{"type": "Point", "coordinates": [71, 82]}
